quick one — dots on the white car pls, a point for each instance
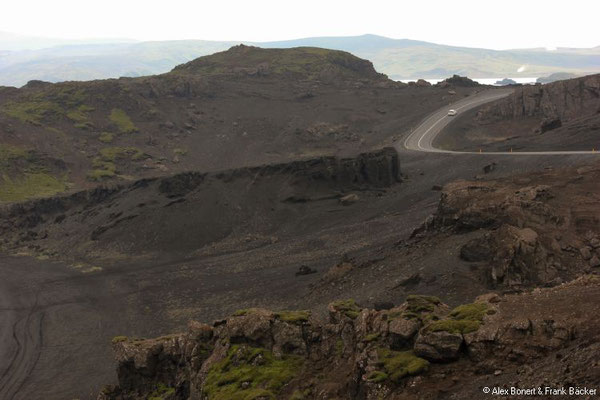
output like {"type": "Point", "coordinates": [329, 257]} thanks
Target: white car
{"type": "Point", "coordinates": [451, 113]}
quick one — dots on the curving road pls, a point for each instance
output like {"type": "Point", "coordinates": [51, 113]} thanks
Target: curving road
{"type": "Point", "coordinates": [422, 137]}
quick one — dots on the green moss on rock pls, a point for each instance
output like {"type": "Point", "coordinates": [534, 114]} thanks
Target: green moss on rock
{"type": "Point", "coordinates": [33, 184]}
{"type": "Point", "coordinates": [106, 137]}
{"type": "Point", "coordinates": [419, 303]}
{"type": "Point", "coordinates": [119, 339]}
{"type": "Point", "coordinates": [463, 319]}
{"type": "Point", "coordinates": [377, 376]}
{"type": "Point", "coordinates": [113, 153]}
{"type": "Point", "coordinates": [398, 364]}
{"type": "Point", "coordinates": [31, 111]}
{"type": "Point", "coordinates": [248, 373]}
{"type": "Point", "coordinates": [161, 392]}
{"type": "Point", "coordinates": [122, 121]}
{"type": "Point", "coordinates": [348, 307]}
{"type": "Point", "coordinates": [295, 317]}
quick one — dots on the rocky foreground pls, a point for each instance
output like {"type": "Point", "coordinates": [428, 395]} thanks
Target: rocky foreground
{"type": "Point", "coordinates": [420, 349]}
{"type": "Point", "coordinates": [532, 239]}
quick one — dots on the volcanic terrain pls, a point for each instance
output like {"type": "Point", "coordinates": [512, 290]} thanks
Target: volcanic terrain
{"type": "Point", "coordinates": [261, 179]}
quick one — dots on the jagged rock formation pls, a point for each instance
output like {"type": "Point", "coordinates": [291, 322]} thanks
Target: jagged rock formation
{"type": "Point", "coordinates": [408, 351]}
{"type": "Point", "coordinates": [563, 100]}
{"type": "Point", "coordinates": [523, 233]}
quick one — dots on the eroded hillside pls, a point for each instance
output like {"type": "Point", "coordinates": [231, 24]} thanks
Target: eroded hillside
{"type": "Point", "coordinates": [242, 107]}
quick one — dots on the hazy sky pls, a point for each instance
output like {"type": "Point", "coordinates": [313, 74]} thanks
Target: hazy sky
{"type": "Point", "coordinates": [491, 24]}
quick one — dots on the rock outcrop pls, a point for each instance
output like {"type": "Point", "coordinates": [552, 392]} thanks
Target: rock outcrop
{"type": "Point", "coordinates": [366, 354]}
{"type": "Point", "coordinates": [457, 80]}
{"type": "Point", "coordinates": [522, 234]}
{"type": "Point", "coordinates": [562, 100]}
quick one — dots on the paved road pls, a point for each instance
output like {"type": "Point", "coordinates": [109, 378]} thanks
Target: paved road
{"type": "Point", "coordinates": [422, 137]}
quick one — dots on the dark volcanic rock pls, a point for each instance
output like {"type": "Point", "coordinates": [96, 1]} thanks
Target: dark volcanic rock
{"type": "Point", "coordinates": [305, 270]}
{"type": "Point", "coordinates": [438, 346]}
{"type": "Point", "coordinates": [563, 100]}
{"type": "Point", "coordinates": [548, 124]}
{"type": "Point", "coordinates": [457, 80]}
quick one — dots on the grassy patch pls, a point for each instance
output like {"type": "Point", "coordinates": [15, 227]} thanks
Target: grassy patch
{"type": "Point", "coordinates": [8, 154]}
{"type": "Point", "coordinates": [348, 307]}
{"type": "Point", "coordinates": [122, 121]}
{"type": "Point", "coordinates": [473, 311]}
{"type": "Point", "coordinates": [119, 339]}
{"type": "Point", "coordinates": [339, 347]}
{"type": "Point", "coordinates": [102, 170]}
{"type": "Point", "coordinates": [398, 364]}
{"type": "Point", "coordinates": [104, 167]}
{"type": "Point", "coordinates": [244, 311]}
{"type": "Point", "coordinates": [106, 137]}
{"type": "Point", "coordinates": [419, 303]}
{"type": "Point", "coordinates": [80, 117]}
{"type": "Point", "coordinates": [111, 154]}
{"type": "Point", "coordinates": [161, 392]}
{"type": "Point", "coordinates": [33, 111]}
{"type": "Point", "coordinates": [179, 152]}
{"type": "Point", "coordinates": [30, 185]}
{"type": "Point", "coordinates": [377, 376]}
{"type": "Point", "coordinates": [371, 337]}
{"type": "Point", "coordinates": [295, 317]}
{"type": "Point", "coordinates": [466, 318]}
{"type": "Point", "coordinates": [21, 178]}
{"type": "Point", "coordinates": [59, 101]}
{"type": "Point", "coordinates": [248, 373]}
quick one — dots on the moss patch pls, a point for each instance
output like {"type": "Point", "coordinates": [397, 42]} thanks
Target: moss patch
{"type": "Point", "coordinates": [104, 166]}
{"type": "Point", "coordinates": [348, 307]}
{"type": "Point", "coordinates": [114, 153]}
{"type": "Point", "coordinates": [371, 337]}
{"type": "Point", "coordinates": [463, 319]}
{"type": "Point", "coordinates": [119, 339]}
{"type": "Point", "coordinates": [122, 121]}
{"type": "Point", "coordinates": [22, 177]}
{"type": "Point", "coordinates": [419, 303]}
{"type": "Point", "coordinates": [398, 364]}
{"type": "Point", "coordinates": [30, 185]}
{"type": "Point", "coordinates": [295, 317]}
{"type": "Point", "coordinates": [244, 311]}
{"type": "Point", "coordinates": [106, 137]}
{"type": "Point", "coordinates": [32, 111]}
{"type": "Point", "coordinates": [161, 392]}
{"type": "Point", "coordinates": [377, 376]}
{"type": "Point", "coordinates": [58, 101]}
{"type": "Point", "coordinates": [249, 373]}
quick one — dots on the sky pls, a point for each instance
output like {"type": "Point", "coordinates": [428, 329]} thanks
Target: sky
{"type": "Point", "coordinates": [493, 24]}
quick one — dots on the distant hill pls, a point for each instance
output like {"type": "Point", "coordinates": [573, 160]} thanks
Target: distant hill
{"type": "Point", "coordinates": [398, 58]}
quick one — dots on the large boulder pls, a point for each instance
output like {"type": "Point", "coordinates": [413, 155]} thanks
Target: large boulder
{"type": "Point", "coordinates": [439, 346]}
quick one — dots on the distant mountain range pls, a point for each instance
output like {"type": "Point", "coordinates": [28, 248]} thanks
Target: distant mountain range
{"type": "Point", "coordinates": [25, 58]}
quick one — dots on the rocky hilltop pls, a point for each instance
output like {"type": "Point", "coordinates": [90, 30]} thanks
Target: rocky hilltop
{"type": "Point", "coordinates": [301, 62]}
{"type": "Point", "coordinates": [421, 349]}
{"type": "Point", "coordinates": [242, 107]}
